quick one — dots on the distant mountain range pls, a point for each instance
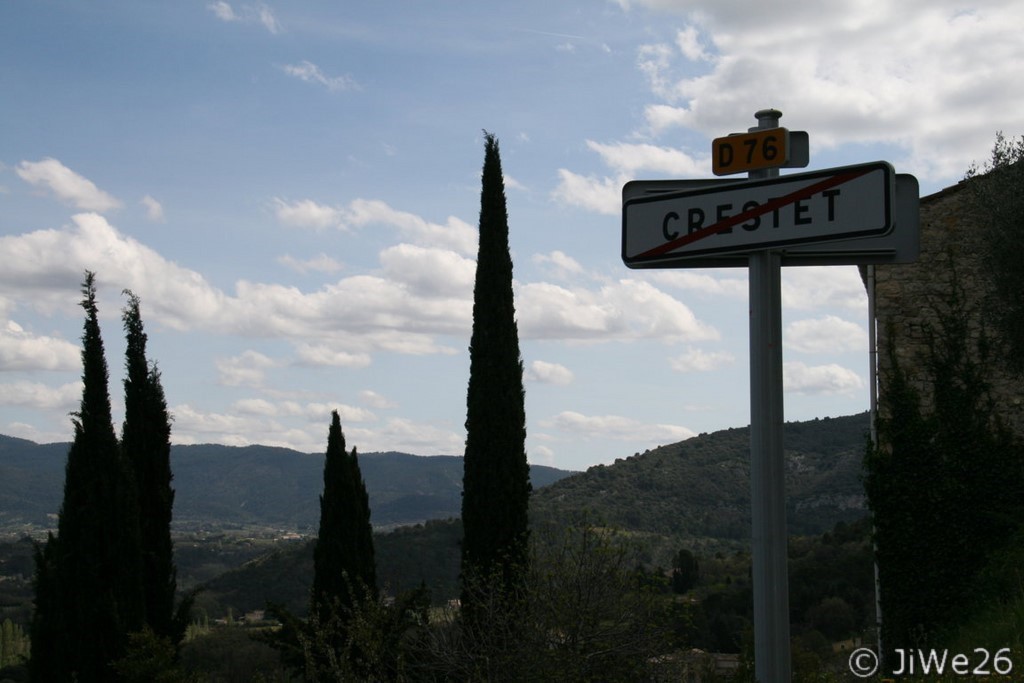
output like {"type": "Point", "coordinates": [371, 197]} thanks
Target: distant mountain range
{"type": "Point", "coordinates": [697, 490]}
{"type": "Point", "coordinates": [226, 487]}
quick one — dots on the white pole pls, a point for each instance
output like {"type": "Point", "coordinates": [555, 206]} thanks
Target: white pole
{"type": "Point", "coordinates": [767, 466]}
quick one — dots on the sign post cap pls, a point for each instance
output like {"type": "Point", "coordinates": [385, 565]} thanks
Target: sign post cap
{"type": "Point", "coordinates": [767, 118]}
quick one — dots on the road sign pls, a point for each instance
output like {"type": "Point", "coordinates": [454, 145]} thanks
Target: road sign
{"type": "Point", "coordinates": [759, 149]}
{"type": "Point", "coordinates": [767, 148]}
{"type": "Point", "coordinates": [742, 217]}
{"type": "Point", "coordinates": [899, 245]}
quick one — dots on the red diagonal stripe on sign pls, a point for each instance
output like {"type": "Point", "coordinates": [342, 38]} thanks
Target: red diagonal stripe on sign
{"type": "Point", "coordinates": [725, 223]}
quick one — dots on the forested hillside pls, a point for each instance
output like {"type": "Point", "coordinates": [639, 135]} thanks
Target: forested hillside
{"type": "Point", "coordinates": [697, 492]}
{"type": "Point", "coordinates": [694, 494]}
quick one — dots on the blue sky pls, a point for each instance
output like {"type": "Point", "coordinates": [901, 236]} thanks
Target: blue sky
{"type": "Point", "coordinates": [292, 189]}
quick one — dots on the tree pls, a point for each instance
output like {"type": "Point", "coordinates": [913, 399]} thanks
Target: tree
{"type": "Point", "coordinates": [13, 644]}
{"type": "Point", "coordinates": [377, 639]}
{"type": "Point", "coordinates": [343, 557]}
{"type": "Point", "coordinates": [146, 442]}
{"type": "Point", "coordinates": [685, 571]}
{"type": "Point", "coordinates": [583, 614]}
{"type": "Point", "coordinates": [333, 642]}
{"type": "Point", "coordinates": [944, 486]}
{"type": "Point", "coordinates": [496, 479]}
{"type": "Point", "coordinates": [997, 203]}
{"type": "Point", "coordinates": [593, 616]}
{"type": "Point", "coordinates": [88, 579]}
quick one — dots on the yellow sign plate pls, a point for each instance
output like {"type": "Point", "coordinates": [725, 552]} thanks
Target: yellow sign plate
{"type": "Point", "coordinates": [767, 148]}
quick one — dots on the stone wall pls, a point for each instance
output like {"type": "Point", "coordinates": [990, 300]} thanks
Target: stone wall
{"type": "Point", "coordinates": [909, 297]}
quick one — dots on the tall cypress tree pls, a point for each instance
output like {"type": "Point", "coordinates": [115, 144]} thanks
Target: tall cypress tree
{"type": "Point", "coordinates": [146, 441]}
{"type": "Point", "coordinates": [88, 587]}
{"type": "Point", "coordinates": [496, 478]}
{"type": "Point", "coordinates": [46, 630]}
{"type": "Point", "coordinates": [343, 557]}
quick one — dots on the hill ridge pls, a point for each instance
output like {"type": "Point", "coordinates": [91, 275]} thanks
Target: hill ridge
{"type": "Point", "coordinates": [695, 489]}
{"type": "Point", "coordinates": [246, 486]}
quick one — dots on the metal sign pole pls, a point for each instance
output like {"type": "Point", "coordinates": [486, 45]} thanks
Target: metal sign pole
{"type": "Point", "coordinates": [767, 467]}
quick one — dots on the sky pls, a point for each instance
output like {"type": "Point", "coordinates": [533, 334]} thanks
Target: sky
{"type": "Point", "coordinates": [292, 189]}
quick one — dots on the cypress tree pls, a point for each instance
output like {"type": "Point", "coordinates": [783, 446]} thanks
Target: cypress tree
{"type": "Point", "coordinates": [496, 477]}
{"type": "Point", "coordinates": [88, 583]}
{"type": "Point", "coordinates": [45, 631]}
{"type": "Point", "coordinates": [343, 557]}
{"type": "Point", "coordinates": [146, 441]}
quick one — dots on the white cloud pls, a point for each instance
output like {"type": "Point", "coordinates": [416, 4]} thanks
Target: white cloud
{"type": "Point", "coordinates": [247, 369]}
{"type": "Point", "coordinates": [375, 400]}
{"type": "Point", "coordinates": [512, 184]}
{"type": "Point", "coordinates": [810, 287]}
{"type": "Point", "coordinates": [319, 412]}
{"type": "Point", "coordinates": [690, 44]}
{"type": "Point", "coordinates": [268, 19]}
{"type": "Point", "coordinates": [193, 425]}
{"type": "Point", "coordinates": [434, 273]}
{"type": "Point", "coordinates": [22, 430]}
{"type": "Point", "coordinates": [654, 62]}
{"type": "Point", "coordinates": [407, 436]}
{"type": "Point", "coordinates": [305, 213]}
{"type": "Point", "coordinates": [704, 282]}
{"type": "Point", "coordinates": [661, 117]}
{"type": "Point", "coordinates": [256, 406]}
{"type": "Point", "coordinates": [36, 395]}
{"type": "Point", "coordinates": [347, 413]}
{"type": "Point", "coordinates": [21, 350]}
{"type": "Point", "coordinates": [45, 267]}
{"type": "Point", "coordinates": [154, 210]}
{"type": "Point", "coordinates": [247, 14]}
{"type": "Point", "coordinates": [285, 424]}
{"type": "Point", "coordinates": [624, 310]}
{"type": "Point", "coordinates": [603, 195]}
{"type": "Point", "coordinates": [222, 10]}
{"type": "Point", "coordinates": [315, 413]}
{"type": "Point", "coordinates": [322, 354]}
{"type": "Point", "coordinates": [820, 379]}
{"type": "Point", "coordinates": [310, 73]}
{"type": "Point", "coordinates": [627, 160]}
{"type": "Point", "coordinates": [455, 234]}
{"type": "Point", "coordinates": [419, 295]}
{"type": "Point", "coordinates": [927, 77]}
{"type": "Point", "coordinates": [615, 427]}
{"type": "Point", "coordinates": [562, 264]}
{"type": "Point", "coordinates": [362, 313]}
{"type": "Point", "coordinates": [67, 185]}
{"type": "Point", "coordinates": [541, 455]}
{"type": "Point", "coordinates": [696, 360]}
{"type": "Point", "coordinates": [549, 373]}
{"type": "Point", "coordinates": [829, 334]}
{"type": "Point", "coordinates": [321, 263]}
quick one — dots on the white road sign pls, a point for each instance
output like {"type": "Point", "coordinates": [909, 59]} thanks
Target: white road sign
{"type": "Point", "coordinates": [849, 202]}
